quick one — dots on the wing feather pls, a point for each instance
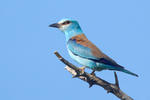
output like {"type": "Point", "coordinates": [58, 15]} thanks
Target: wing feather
{"type": "Point", "coordinates": [81, 46]}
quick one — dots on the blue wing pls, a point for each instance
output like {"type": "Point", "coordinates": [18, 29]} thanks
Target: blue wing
{"type": "Point", "coordinates": [80, 50]}
{"type": "Point", "coordinates": [86, 52]}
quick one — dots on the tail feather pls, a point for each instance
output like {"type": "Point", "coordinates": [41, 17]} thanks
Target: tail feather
{"type": "Point", "coordinates": [122, 69]}
{"type": "Point", "coordinates": [117, 68]}
{"type": "Point", "coordinates": [128, 72]}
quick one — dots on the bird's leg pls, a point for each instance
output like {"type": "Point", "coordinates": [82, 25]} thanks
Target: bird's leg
{"type": "Point", "coordinates": [93, 73]}
{"type": "Point", "coordinates": [82, 70]}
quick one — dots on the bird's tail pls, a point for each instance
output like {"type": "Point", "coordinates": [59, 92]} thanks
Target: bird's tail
{"type": "Point", "coordinates": [128, 72]}
{"type": "Point", "coordinates": [122, 69]}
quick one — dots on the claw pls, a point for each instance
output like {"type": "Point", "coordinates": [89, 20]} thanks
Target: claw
{"type": "Point", "coordinates": [82, 70]}
{"type": "Point", "coordinates": [81, 73]}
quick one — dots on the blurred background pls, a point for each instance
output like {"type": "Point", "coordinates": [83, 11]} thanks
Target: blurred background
{"type": "Point", "coordinates": [30, 71]}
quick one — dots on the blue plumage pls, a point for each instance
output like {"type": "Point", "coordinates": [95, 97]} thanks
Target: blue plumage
{"type": "Point", "coordinates": [85, 52]}
{"type": "Point", "coordinates": [80, 50]}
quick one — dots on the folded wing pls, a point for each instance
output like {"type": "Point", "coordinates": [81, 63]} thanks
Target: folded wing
{"type": "Point", "coordinates": [81, 46]}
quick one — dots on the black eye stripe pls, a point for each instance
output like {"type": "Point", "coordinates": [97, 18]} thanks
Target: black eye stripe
{"type": "Point", "coordinates": [66, 22]}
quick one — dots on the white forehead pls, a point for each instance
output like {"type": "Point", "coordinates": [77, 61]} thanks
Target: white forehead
{"type": "Point", "coordinates": [63, 20]}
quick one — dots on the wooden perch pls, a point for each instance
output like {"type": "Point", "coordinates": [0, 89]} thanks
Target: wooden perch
{"type": "Point", "coordinates": [94, 80]}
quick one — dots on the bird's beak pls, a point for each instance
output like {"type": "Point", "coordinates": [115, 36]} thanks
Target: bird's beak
{"type": "Point", "coordinates": [56, 25]}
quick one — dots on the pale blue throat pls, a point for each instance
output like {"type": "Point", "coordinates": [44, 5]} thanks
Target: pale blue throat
{"type": "Point", "coordinates": [72, 31]}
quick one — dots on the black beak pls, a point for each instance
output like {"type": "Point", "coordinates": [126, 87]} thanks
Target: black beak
{"type": "Point", "coordinates": [56, 25]}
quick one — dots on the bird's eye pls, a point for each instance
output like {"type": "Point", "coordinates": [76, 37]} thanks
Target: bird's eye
{"type": "Point", "coordinates": [66, 22]}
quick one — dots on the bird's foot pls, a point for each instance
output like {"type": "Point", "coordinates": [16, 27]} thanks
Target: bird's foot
{"type": "Point", "coordinates": [93, 73]}
{"type": "Point", "coordinates": [81, 69]}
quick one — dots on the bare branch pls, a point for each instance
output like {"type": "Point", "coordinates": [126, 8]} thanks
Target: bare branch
{"type": "Point", "coordinates": [116, 80]}
{"type": "Point", "coordinates": [94, 80]}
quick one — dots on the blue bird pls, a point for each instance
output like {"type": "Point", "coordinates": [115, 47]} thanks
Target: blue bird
{"type": "Point", "coordinates": [84, 51]}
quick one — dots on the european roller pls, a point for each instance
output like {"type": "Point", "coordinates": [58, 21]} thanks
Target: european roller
{"type": "Point", "coordinates": [84, 51]}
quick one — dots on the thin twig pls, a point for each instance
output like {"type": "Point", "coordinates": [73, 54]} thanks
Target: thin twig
{"type": "Point", "coordinates": [116, 80]}
{"type": "Point", "coordinates": [94, 80]}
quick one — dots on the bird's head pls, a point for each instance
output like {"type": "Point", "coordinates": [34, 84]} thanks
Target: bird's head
{"type": "Point", "coordinates": [69, 27]}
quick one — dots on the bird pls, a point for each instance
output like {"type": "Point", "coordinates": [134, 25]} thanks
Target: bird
{"type": "Point", "coordinates": [83, 51]}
